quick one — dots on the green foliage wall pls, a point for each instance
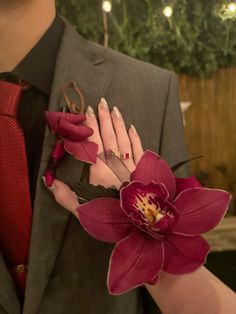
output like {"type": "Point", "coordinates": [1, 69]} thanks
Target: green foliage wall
{"type": "Point", "coordinates": [197, 40]}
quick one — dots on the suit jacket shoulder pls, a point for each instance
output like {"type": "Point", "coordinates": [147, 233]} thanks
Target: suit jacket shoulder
{"type": "Point", "coordinates": [122, 64]}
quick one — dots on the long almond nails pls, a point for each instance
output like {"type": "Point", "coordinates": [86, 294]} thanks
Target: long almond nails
{"type": "Point", "coordinates": [90, 111]}
{"type": "Point", "coordinates": [116, 112]}
{"type": "Point", "coordinates": [103, 104]}
{"type": "Point", "coordinates": [133, 129]}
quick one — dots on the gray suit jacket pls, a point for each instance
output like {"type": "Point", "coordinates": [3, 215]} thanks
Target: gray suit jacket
{"type": "Point", "coordinates": [67, 268]}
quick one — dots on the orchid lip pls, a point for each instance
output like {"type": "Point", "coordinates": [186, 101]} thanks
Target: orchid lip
{"type": "Point", "coordinates": [148, 207]}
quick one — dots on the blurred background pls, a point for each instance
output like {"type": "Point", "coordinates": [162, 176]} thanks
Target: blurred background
{"type": "Point", "coordinates": [197, 40]}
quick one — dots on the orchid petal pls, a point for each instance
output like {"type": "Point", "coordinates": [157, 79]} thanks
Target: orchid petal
{"type": "Point", "coordinates": [152, 167]}
{"type": "Point", "coordinates": [200, 210]}
{"type": "Point", "coordinates": [84, 150]}
{"type": "Point", "coordinates": [135, 260]}
{"type": "Point", "coordinates": [58, 150]}
{"type": "Point", "coordinates": [72, 131]}
{"type": "Point", "coordinates": [104, 220]}
{"type": "Point", "coordinates": [153, 281]}
{"type": "Point", "coordinates": [132, 193]}
{"type": "Point", "coordinates": [186, 183]}
{"type": "Point", "coordinates": [73, 118]}
{"type": "Point", "coordinates": [184, 254]}
{"type": "Point", "coordinates": [53, 118]}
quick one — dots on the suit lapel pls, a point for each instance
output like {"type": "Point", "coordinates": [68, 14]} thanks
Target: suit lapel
{"type": "Point", "coordinates": [77, 60]}
{"type": "Point", "coordinates": [8, 297]}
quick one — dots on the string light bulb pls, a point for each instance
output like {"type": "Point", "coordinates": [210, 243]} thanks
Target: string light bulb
{"type": "Point", "coordinates": [232, 7]}
{"type": "Point", "coordinates": [168, 11]}
{"type": "Point", "coordinates": [106, 6]}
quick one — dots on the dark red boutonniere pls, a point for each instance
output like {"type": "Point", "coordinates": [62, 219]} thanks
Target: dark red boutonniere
{"type": "Point", "coordinates": [71, 134]}
{"type": "Point", "coordinates": [156, 221]}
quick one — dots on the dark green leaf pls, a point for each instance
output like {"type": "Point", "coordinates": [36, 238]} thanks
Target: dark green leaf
{"type": "Point", "coordinates": [180, 164]}
{"type": "Point", "coordinates": [87, 192]}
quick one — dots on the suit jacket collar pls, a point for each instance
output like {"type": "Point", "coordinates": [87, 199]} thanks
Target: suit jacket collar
{"type": "Point", "coordinates": [85, 63]}
{"type": "Point", "coordinates": [80, 61]}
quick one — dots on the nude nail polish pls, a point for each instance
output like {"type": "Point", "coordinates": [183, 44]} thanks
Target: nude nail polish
{"type": "Point", "coordinates": [133, 129]}
{"type": "Point", "coordinates": [103, 104]}
{"type": "Point", "coordinates": [90, 111]}
{"type": "Point", "coordinates": [116, 112]}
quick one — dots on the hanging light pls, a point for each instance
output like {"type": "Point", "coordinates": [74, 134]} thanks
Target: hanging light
{"type": "Point", "coordinates": [232, 7]}
{"type": "Point", "coordinates": [168, 11]}
{"type": "Point", "coordinates": [106, 6]}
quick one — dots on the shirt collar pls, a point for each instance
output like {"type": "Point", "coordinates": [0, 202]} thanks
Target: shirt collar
{"type": "Point", "coordinates": [37, 67]}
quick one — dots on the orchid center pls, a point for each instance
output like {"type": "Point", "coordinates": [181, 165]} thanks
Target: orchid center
{"type": "Point", "coordinates": [149, 206]}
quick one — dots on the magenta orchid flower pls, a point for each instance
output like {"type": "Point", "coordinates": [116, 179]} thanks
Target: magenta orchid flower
{"type": "Point", "coordinates": [156, 224]}
{"type": "Point", "coordinates": [73, 135]}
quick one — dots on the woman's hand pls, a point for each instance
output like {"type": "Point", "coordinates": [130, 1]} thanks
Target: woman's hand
{"type": "Point", "coordinates": [111, 135]}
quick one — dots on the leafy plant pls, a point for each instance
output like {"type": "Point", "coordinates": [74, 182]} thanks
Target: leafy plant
{"type": "Point", "coordinates": [198, 39]}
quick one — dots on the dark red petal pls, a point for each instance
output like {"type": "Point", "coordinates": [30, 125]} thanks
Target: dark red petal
{"type": "Point", "coordinates": [83, 150]}
{"type": "Point", "coordinates": [153, 281]}
{"type": "Point", "coordinates": [58, 150]}
{"type": "Point", "coordinates": [184, 254]}
{"type": "Point", "coordinates": [135, 260]}
{"type": "Point", "coordinates": [74, 118]}
{"type": "Point", "coordinates": [152, 167]}
{"type": "Point", "coordinates": [53, 118]}
{"type": "Point", "coordinates": [134, 190]}
{"type": "Point", "coordinates": [72, 131]}
{"type": "Point", "coordinates": [200, 210]}
{"type": "Point", "coordinates": [104, 220]}
{"type": "Point", "coordinates": [186, 183]}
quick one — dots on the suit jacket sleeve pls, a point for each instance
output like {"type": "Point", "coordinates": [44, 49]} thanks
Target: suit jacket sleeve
{"type": "Point", "coordinates": [172, 145]}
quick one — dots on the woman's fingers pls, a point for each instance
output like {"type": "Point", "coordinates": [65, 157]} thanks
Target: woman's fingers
{"type": "Point", "coordinates": [91, 122]}
{"type": "Point", "coordinates": [106, 127]}
{"type": "Point", "coordinates": [135, 144]}
{"type": "Point", "coordinates": [111, 135]}
{"type": "Point", "coordinates": [122, 138]}
{"type": "Point", "coordinates": [99, 172]}
{"type": "Point", "coordinates": [64, 196]}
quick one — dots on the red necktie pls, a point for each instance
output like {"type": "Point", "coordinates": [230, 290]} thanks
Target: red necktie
{"type": "Point", "coordinates": [15, 203]}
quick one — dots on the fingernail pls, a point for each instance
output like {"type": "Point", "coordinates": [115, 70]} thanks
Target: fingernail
{"type": "Point", "coordinates": [48, 178]}
{"type": "Point", "coordinates": [133, 129]}
{"type": "Point", "coordinates": [103, 104]}
{"type": "Point", "coordinates": [116, 112]}
{"type": "Point", "coordinates": [90, 111]}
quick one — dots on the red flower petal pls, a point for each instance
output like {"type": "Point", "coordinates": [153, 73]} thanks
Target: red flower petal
{"type": "Point", "coordinates": [153, 281]}
{"type": "Point", "coordinates": [53, 118]}
{"type": "Point", "coordinates": [200, 210]}
{"type": "Point", "coordinates": [152, 167]}
{"type": "Point", "coordinates": [186, 183]}
{"type": "Point", "coordinates": [184, 254]}
{"type": "Point", "coordinates": [73, 132]}
{"type": "Point", "coordinates": [104, 220]}
{"type": "Point", "coordinates": [141, 203]}
{"type": "Point", "coordinates": [83, 150]}
{"type": "Point", "coordinates": [135, 260]}
{"type": "Point", "coordinates": [132, 192]}
{"type": "Point", "coordinates": [58, 150]}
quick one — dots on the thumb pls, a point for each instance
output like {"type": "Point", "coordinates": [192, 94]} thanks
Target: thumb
{"type": "Point", "coordinates": [64, 195]}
